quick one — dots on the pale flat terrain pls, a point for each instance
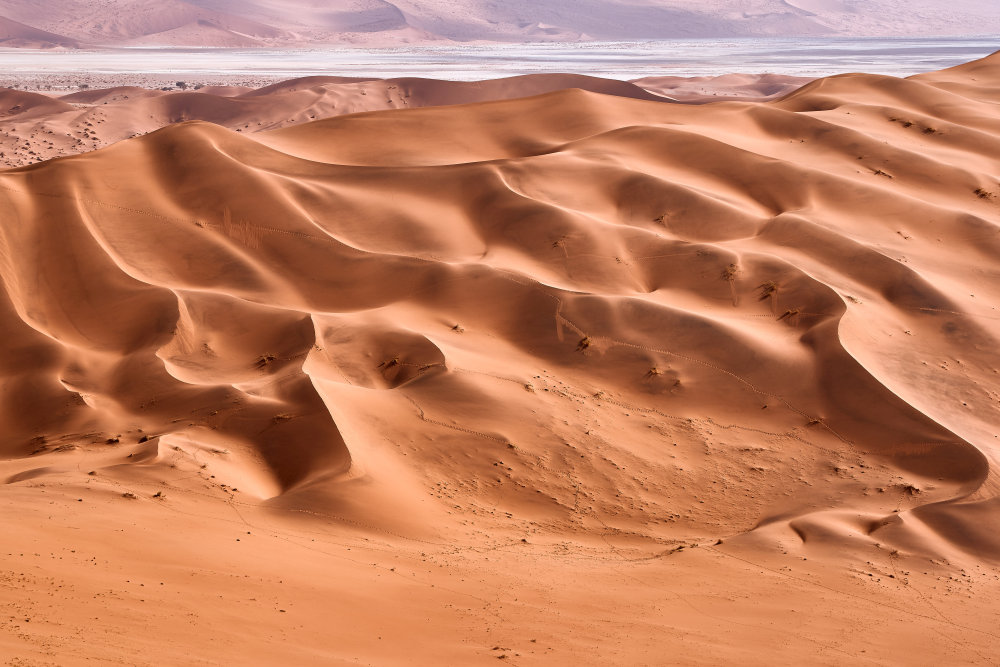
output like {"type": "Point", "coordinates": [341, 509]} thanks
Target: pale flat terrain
{"type": "Point", "coordinates": [564, 375]}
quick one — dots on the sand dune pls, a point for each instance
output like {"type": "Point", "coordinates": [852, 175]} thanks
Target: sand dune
{"type": "Point", "coordinates": [44, 128]}
{"type": "Point", "coordinates": [580, 377]}
{"type": "Point", "coordinates": [199, 32]}
{"type": "Point", "coordinates": [283, 23]}
{"type": "Point", "coordinates": [18, 35]}
{"type": "Point", "coordinates": [151, 22]}
{"type": "Point", "coordinates": [746, 87]}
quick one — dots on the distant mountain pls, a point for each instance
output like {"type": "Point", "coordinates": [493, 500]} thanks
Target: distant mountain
{"type": "Point", "coordinates": [299, 22]}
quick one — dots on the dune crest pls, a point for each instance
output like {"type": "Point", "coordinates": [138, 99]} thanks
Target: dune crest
{"type": "Point", "coordinates": [715, 279]}
{"type": "Point", "coordinates": [283, 23]}
{"type": "Point", "coordinates": [36, 127]}
{"type": "Point", "coordinates": [575, 334]}
{"type": "Point", "coordinates": [19, 35]}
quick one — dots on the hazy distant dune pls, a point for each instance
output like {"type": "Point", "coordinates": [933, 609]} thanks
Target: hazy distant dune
{"type": "Point", "coordinates": [18, 35]}
{"type": "Point", "coordinates": [343, 16]}
{"type": "Point", "coordinates": [126, 21]}
{"type": "Point", "coordinates": [298, 22]}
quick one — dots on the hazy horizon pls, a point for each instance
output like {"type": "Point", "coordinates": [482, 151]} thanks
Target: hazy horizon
{"type": "Point", "coordinates": [284, 23]}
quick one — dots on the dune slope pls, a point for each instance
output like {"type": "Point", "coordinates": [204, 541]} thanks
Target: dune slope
{"type": "Point", "coordinates": [283, 23]}
{"type": "Point", "coordinates": [19, 35]}
{"type": "Point", "coordinates": [576, 334]}
{"type": "Point", "coordinates": [89, 119]}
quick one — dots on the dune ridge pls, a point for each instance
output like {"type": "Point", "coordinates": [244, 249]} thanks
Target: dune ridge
{"type": "Point", "coordinates": [763, 329]}
{"type": "Point", "coordinates": [19, 35]}
{"type": "Point", "coordinates": [38, 126]}
{"type": "Point", "coordinates": [35, 127]}
{"type": "Point", "coordinates": [746, 87]}
{"type": "Point", "coordinates": [721, 262]}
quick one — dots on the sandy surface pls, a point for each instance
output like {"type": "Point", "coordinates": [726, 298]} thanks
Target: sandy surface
{"type": "Point", "coordinates": [745, 87]}
{"type": "Point", "coordinates": [38, 124]}
{"type": "Point", "coordinates": [585, 377]}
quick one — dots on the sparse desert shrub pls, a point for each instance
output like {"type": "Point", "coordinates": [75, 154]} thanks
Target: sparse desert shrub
{"type": "Point", "coordinates": [792, 315]}
{"type": "Point", "coordinates": [264, 360]}
{"type": "Point", "coordinates": [390, 363]}
{"type": "Point", "coordinates": [769, 290]}
{"type": "Point", "coordinates": [729, 274]}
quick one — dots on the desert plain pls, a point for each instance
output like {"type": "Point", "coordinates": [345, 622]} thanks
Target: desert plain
{"type": "Point", "coordinates": [551, 369]}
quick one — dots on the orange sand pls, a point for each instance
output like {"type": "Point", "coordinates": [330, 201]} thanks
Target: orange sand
{"type": "Point", "coordinates": [579, 378]}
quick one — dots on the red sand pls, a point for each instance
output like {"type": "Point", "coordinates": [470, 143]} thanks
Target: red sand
{"type": "Point", "coordinates": [578, 378]}
{"type": "Point", "coordinates": [35, 127]}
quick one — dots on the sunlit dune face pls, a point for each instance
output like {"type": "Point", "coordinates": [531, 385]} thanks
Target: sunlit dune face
{"type": "Point", "coordinates": [526, 371]}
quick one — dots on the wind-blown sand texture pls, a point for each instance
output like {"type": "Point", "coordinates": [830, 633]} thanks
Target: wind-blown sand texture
{"type": "Point", "coordinates": [36, 126]}
{"type": "Point", "coordinates": [577, 378]}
